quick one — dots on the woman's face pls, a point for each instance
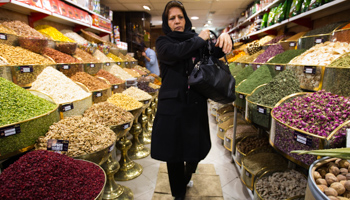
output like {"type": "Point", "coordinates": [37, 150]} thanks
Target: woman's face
{"type": "Point", "coordinates": [176, 19]}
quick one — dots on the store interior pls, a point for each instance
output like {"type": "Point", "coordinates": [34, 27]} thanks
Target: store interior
{"type": "Point", "coordinates": [77, 103]}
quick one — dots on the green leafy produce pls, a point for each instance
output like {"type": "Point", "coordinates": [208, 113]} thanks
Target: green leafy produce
{"type": "Point", "coordinates": [260, 76]}
{"type": "Point", "coordinates": [243, 74]}
{"type": "Point", "coordinates": [286, 56]}
{"type": "Point", "coordinates": [284, 84]}
{"type": "Point", "coordinates": [234, 68]}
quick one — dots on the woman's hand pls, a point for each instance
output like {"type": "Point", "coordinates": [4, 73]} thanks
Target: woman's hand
{"type": "Point", "coordinates": [224, 41]}
{"type": "Point", "coordinates": [204, 34]}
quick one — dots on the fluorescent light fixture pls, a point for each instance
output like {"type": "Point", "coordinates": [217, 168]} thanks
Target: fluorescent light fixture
{"type": "Point", "coordinates": [194, 17]}
{"type": "Point", "coordinates": [206, 25]}
{"type": "Point", "coordinates": [209, 22]}
{"type": "Point", "coordinates": [146, 7]}
{"type": "Point", "coordinates": [193, 28]}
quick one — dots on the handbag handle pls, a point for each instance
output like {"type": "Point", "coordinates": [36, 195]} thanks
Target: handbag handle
{"type": "Point", "coordinates": [211, 45]}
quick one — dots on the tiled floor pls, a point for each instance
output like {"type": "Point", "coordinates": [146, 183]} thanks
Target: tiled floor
{"type": "Point", "coordinates": [232, 187]}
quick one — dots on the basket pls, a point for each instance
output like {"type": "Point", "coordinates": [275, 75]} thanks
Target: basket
{"type": "Point", "coordinates": [8, 39]}
{"type": "Point", "coordinates": [25, 75]}
{"type": "Point", "coordinates": [299, 139]}
{"type": "Point", "coordinates": [334, 81]}
{"type": "Point", "coordinates": [30, 130]}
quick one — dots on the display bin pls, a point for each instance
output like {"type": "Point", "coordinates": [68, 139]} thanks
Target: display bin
{"type": "Point", "coordinates": [334, 81]}
{"type": "Point", "coordinates": [107, 65]}
{"type": "Point", "coordinates": [133, 63]}
{"type": "Point", "coordinates": [66, 47]}
{"type": "Point", "coordinates": [127, 64]}
{"type": "Point", "coordinates": [27, 131]}
{"type": "Point", "coordinates": [100, 195]}
{"type": "Point", "coordinates": [121, 64]}
{"type": "Point", "coordinates": [92, 68]}
{"type": "Point", "coordinates": [306, 42]}
{"type": "Point", "coordinates": [268, 173]}
{"type": "Point", "coordinates": [228, 139]}
{"type": "Point", "coordinates": [97, 157]}
{"type": "Point", "coordinates": [77, 107]}
{"type": "Point", "coordinates": [5, 70]}
{"type": "Point", "coordinates": [8, 39]}
{"type": "Point", "coordinates": [33, 44]}
{"type": "Point", "coordinates": [222, 118]}
{"type": "Point", "coordinates": [98, 95]}
{"type": "Point", "coordinates": [276, 68]}
{"type": "Point", "coordinates": [225, 109]}
{"type": "Point", "coordinates": [289, 45]}
{"type": "Point", "coordinates": [248, 176]}
{"type": "Point", "coordinates": [310, 77]}
{"type": "Point", "coordinates": [257, 113]}
{"type": "Point", "coordinates": [213, 110]}
{"type": "Point", "coordinates": [70, 69]}
{"type": "Point", "coordinates": [242, 131]}
{"type": "Point", "coordinates": [223, 127]}
{"type": "Point", "coordinates": [118, 88]}
{"type": "Point", "coordinates": [341, 36]}
{"type": "Point", "coordinates": [285, 138]}
{"type": "Point", "coordinates": [25, 75]}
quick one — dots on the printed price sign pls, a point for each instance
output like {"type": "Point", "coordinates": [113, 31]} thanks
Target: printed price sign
{"type": "Point", "coordinates": [228, 140]}
{"type": "Point", "coordinates": [221, 130]}
{"type": "Point", "coordinates": [125, 126]}
{"type": "Point", "coordinates": [133, 62]}
{"type": "Point", "coordinates": [111, 148]}
{"type": "Point", "coordinates": [115, 86]}
{"type": "Point", "coordinates": [57, 145]}
{"type": "Point", "coordinates": [3, 36]}
{"type": "Point", "coordinates": [108, 64]}
{"type": "Point", "coordinates": [292, 44]}
{"type": "Point", "coordinates": [119, 63]}
{"type": "Point", "coordinates": [98, 94]}
{"type": "Point", "coordinates": [126, 63]}
{"type": "Point", "coordinates": [241, 96]}
{"type": "Point", "coordinates": [26, 69]}
{"type": "Point", "coordinates": [310, 69]}
{"type": "Point", "coordinates": [257, 66]}
{"type": "Point", "coordinates": [246, 65]}
{"type": "Point", "coordinates": [278, 68]}
{"type": "Point", "coordinates": [10, 130]}
{"type": "Point", "coordinates": [92, 65]}
{"type": "Point", "coordinates": [318, 40]}
{"type": "Point", "coordinates": [66, 107]}
{"type": "Point", "coordinates": [302, 138]}
{"type": "Point", "coordinates": [65, 67]}
{"type": "Point", "coordinates": [261, 110]}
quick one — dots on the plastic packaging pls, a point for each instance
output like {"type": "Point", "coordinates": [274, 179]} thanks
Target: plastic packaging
{"type": "Point", "coordinates": [295, 8]}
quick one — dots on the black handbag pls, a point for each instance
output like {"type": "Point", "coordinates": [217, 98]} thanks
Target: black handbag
{"type": "Point", "coordinates": [211, 77]}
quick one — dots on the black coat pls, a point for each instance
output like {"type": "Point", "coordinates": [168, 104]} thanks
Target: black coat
{"type": "Point", "coordinates": [180, 129]}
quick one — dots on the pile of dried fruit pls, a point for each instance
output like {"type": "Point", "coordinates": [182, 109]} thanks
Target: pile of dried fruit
{"type": "Point", "coordinates": [92, 83]}
{"type": "Point", "coordinates": [53, 33]}
{"type": "Point", "coordinates": [112, 79]}
{"type": "Point", "coordinates": [48, 175]}
{"type": "Point", "coordinates": [59, 57]}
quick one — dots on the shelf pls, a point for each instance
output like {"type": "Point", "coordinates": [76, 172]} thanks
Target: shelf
{"type": "Point", "coordinates": [86, 9]}
{"type": "Point", "coordinates": [28, 10]}
{"type": "Point", "coordinates": [324, 10]}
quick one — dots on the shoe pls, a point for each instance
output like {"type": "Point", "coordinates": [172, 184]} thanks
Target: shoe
{"type": "Point", "coordinates": [190, 184]}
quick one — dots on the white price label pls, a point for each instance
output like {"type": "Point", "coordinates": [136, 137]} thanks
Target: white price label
{"type": "Point", "coordinates": [3, 36]}
{"type": "Point", "coordinates": [261, 110]}
{"type": "Point", "coordinates": [258, 66]}
{"type": "Point", "coordinates": [98, 94]}
{"type": "Point", "coordinates": [7, 131]}
{"type": "Point", "coordinates": [241, 96]}
{"type": "Point", "coordinates": [65, 66]}
{"type": "Point", "coordinates": [247, 174]}
{"type": "Point", "coordinates": [125, 126]}
{"type": "Point", "coordinates": [292, 44]}
{"type": "Point", "coordinates": [116, 86]}
{"type": "Point", "coordinates": [278, 68]}
{"type": "Point", "coordinates": [348, 137]}
{"type": "Point", "coordinates": [92, 65]}
{"type": "Point", "coordinates": [118, 63]}
{"type": "Point", "coordinates": [108, 64]}
{"type": "Point", "coordinates": [126, 63]}
{"type": "Point", "coordinates": [228, 140]}
{"type": "Point", "coordinates": [301, 139]}
{"type": "Point", "coordinates": [111, 148]}
{"type": "Point", "coordinates": [221, 130]}
{"type": "Point", "coordinates": [26, 70]}
{"type": "Point", "coordinates": [246, 65]}
{"type": "Point", "coordinates": [318, 40]}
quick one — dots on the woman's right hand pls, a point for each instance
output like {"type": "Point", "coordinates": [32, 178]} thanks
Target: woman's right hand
{"type": "Point", "coordinates": [204, 34]}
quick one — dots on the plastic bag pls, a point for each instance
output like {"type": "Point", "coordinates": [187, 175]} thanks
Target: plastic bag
{"type": "Point", "coordinates": [264, 21]}
{"type": "Point", "coordinates": [305, 6]}
{"type": "Point", "coordinates": [295, 8]}
{"type": "Point", "coordinates": [282, 15]}
{"type": "Point", "coordinates": [271, 19]}
{"type": "Point", "coordinates": [278, 13]}
{"type": "Point", "coordinates": [314, 4]}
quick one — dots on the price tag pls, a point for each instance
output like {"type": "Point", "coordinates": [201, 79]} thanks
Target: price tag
{"type": "Point", "coordinates": [318, 40]}
{"type": "Point", "coordinates": [119, 63]}
{"type": "Point", "coordinates": [92, 65]}
{"type": "Point", "coordinates": [66, 107]}
{"type": "Point", "coordinates": [10, 130]}
{"type": "Point", "coordinates": [257, 66]}
{"type": "Point", "coordinates": [241, 96]}
{"type": "Point", "coordinates": [126, 63]}
{"type": "Point", "coordinates": [302, 138]}
{"type": "Point", "coordinates": [146, 102]}
{"type": "Point", "coordinates": [111, 148]}
{"type": "Point", "coordinates": [133, 62]}
{"type": "Point", "coordinates": [65, 67]}
{"type": "Point", "coordinates": [246, 65]}
{"type": "Point", "coordinates": [3, 36]}
{"type": "Point", "coordinates": [125, 126]}
{"type": "Point", "coordinates": [261, 110]}
{"type": "Point", "coordinates": [115, 86]}
{"type": "Point", "coordinates": [228, 140]}
{"type": "Point", "coordinates": [57, 145]}
{"type": "Point", "coordinates": [310, 69]}
{"type": "Point", "coordinates": [221, 130]}
{"type": "Point", "coordinates": [98, 94]}
{"type": "Point", "coordinates": [348, 137]}
{"type": "Point", "coordinates": [26, 69]}
{"type": "Point", "coordinates": [292, 44]}
{"type": "Point", "coordinates": [248, 174]}
{"type": "Point", "coordinates": [278, 68]}
{"type": "Point", "coordinates": [108, 64]}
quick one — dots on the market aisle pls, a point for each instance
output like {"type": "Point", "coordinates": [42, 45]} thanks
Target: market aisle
{"type": "Point", "coordinates": [232, 187]}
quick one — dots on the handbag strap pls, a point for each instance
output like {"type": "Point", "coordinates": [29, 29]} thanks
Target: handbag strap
{"type": "Point", "coordinates": [211, 45]}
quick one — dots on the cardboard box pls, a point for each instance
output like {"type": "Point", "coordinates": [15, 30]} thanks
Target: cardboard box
{"type": "Point", "coordinates": [55, 8]}
{"type": "Point", "coordinates": [63, 8]}
{"type": "Point", "coordinates": [36, 3]}
{"type": "Point", "coordinates": [46, 4]}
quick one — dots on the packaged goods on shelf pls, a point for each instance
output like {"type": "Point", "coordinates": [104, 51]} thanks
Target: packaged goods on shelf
{"type": "Point", "coordinates": [322, 54]}
{"type": "Point", "coordinates": [22, 29]}
{"type": "Point", "coordinates": [243, 74]}
{"type": "Point", "coordinates": [85, 57]}
{"type": "Point", "coordinates": [136, 93]}
{"type": "Point", "coordinates": [53, 33]}
{"type": "Point", "coordinates": [59, 57]}
{"type": "Point", "coordinates": [286, 56]}
{"type": "Point", "coordinates": [92, 83]}
{"type": "Point", "coordinates": [89, 136]}
{"type": "Point", "coordinates": [118, 71]}
{"type": "Point", "coordinates": [125, 101]}
{"type": "Point", "coordinates": [270, 52]}
{"type": "Point", "coordinates": [74, 36]}
{"type": "Point", "coordinates": [258, 77]}
{"type": "Point", "coordinates": [290, 183]}
{"type": "Point", "coordinates": [43, 179]}
{"type": "Point", "coordinates": [108, 114]}
{"type": "Point", "coordinates": [102, 57]}
{"type": "Point", "coordinates": [132, 72]}
{"type": "Point", "coordinates": [295, 8]}
{"type": "Point", "coordinates": [25, 113]}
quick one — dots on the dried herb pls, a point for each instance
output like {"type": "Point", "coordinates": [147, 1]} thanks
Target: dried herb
{"type": "Point", "coordinates": [249, 58]}
{"type": "Point", "coordinates": [256, 162]}
{"type": "Point", "coordinates": [234, 68]}
{"type": "Point", "coordinates": [308, 42]}
{"type": "Point", "coordinates": [270, 52]}
{"type": "Point", "coordinates": [286, 56]}
{"type": "Point", "coordinates": [335, 80]}
{"type": "Point", "coordinates": [243, 74]}
{"type": "Point", "coordinates": [48, 175]}
{"type": "Point", "coordinates": [324, 30]}
{"type": "Point", "coordinates": [343, 61]}
{"type": "Point", "coordinates": [258, 77]}
{"type": "Point", "coordinates": [250, 143]}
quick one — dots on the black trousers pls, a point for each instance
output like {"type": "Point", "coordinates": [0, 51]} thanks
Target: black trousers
{"type": "Point", "coordinates": [180, 173]}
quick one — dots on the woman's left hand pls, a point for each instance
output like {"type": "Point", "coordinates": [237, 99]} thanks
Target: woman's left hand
{"type": "Point", "coordinates": [224, 41]}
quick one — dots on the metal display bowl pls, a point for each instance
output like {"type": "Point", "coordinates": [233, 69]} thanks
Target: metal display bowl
{"type": "Point", "coordinates": [36, 45]}
{"type": "Point", "coordinates": [66, 47]}
{"type": "Point", "coordinates": [98, 157]}
{"type": "Point", "coordinates": [25, 75]}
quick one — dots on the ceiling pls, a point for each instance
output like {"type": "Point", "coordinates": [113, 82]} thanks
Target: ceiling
{"type": "Point", "coordinates": [220, 12]}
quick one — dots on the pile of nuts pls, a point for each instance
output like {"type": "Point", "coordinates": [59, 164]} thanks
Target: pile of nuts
{"type": "Point", "coordinates": [22, 29]}
{"type": "Point", "coordinates": [136, 93]}
{"type": "Point", "coordinates": [6, 30]}
{"type": "Point", "coordinates": [333, 179]}
{"type": "Point", "coordinates": [124, 101]}
{"type": "Point", "coordinates": [59, 57]}
{"type": "Point", "coordinates": [85, 56]}
{"type": "Point", "coordinates": [92, 83]}
{"type": "Point", "coordinates": [109, 77]}
{"type": "Point", "coordinates": [132, 72]}
{"type": "Point", "coordinates": [118, 71]}
{"type": "Point", "coordinates": [85, 136]}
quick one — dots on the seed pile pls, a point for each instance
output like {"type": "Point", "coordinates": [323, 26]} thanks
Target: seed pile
{"type": "Point", "coordinates": [124, 101]}
{"type": "Point", "coordinates": [343, 61]}
{"type": "Point", "coordinates": [112, 79]}
{"type": "Point", "coordinates": [258, 77]}
{"type": "Point", "coordinates": [286, 56]}
{"type": "Point", "coordinates": [61, 88]}
{"type": "Point", "coordinates": [22, 29]}
{"type": "Point", "coordinates": [85, 56]}
{"type": "Point", "coordinates": [92, 83]}
{"type": "Point", "coordinates": [132, 72]}
{"type": "Point", "coordinates": [137, 94]}
{"type": "Point", "coordinates": [59, 57]}
{"type": "Point", "coordinates": [102, 57]}
{"type": "Point", "coordinates": [118, 71]}
{"type": "Point", "coordinates": [53, 33]}
{"type": "Point", "coordinates": [74, 36]}
{"type": "Point", "coordinates": [108, 114]}
{"type": "Point", "coordinates": [6, 30]}
{"type": "Point", "coordinates": [48, 175]}
{"type": "Point", "coordinates": [85, 136]}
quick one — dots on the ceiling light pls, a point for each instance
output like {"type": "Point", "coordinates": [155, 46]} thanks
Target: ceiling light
{"type": "Point", "coordinates": [205, 25]}
{"type": "Point", "coordinates": [209, 22]}
{"type": "Point", "coordinates": [194, 17]}
{"type": "Point", "coordinates": [193, 28]}
{"type": "Point", "coordinates": [146, 7]}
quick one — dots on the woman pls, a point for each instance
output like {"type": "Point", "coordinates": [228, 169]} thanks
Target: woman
{"type": "Point", "coordinates": [181, 130]}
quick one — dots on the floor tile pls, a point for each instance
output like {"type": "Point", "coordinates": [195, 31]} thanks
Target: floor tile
{"type": "Point", "coordinates": [139, 185]}
{"type": "Point", "coordinates": [236, 189]}
{"type": "Point", "coordinates": [145, 195]}
{"type": "Point", "coordinates": [151, 172]}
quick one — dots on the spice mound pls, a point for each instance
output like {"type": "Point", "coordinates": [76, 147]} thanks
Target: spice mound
{"type": "Point", "coordinates": [286, 56]}
{"type": "Point", "coordinates": [132, 72]}
{"type": "Point", "coordinates": [22, 29]}
{"type": "Point", "coordinates": [53, 33]}
{"type": "Point", "coordinates": [84, 56]}
{"type": "Point", "coordinates": [58, 86]}
{"type": "Point", "coordinates": [85, 136]}
{"type": "Point", "coordinates": [102, 57]}
{"type": "Point", "coordinates": [92, 83]}
{"type": "Point", "coordinates": [260, 76]}
{"type": "Point", "coordinates": [59, 57]}
{"type": "Point", "coordinates": [137, 94]}
{"type": "Point", "coordinates": [270, 52]}
{"type": "Point", "coordinates": [289, 183]}
{"type": "Point", "coordinates": [112, 79]}
{"type": "Point", "coordinates": [18, 104]}
{"type": "Point", "coordinates": [252, 143]}
{"type": "Point", "coordinates": [118, 71]}
{"type": "Point", "coordinates": [243, 74]}
{"type": "Point", "coordinates": [125, 101]}
{"type": "Point", "coordinates": [48, 175]}
{"type": "Point", "coordinates": [108, 114]}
